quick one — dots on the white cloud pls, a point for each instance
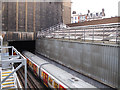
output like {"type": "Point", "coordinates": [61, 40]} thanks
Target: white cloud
{"type": "Point", "coordinates": [82, 6]}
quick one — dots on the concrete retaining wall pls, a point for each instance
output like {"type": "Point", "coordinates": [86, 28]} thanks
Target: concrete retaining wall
{"type": "Point", "coordinates": [97, 61]}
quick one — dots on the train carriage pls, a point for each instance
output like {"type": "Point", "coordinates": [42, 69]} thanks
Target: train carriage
{"type": "Point", "coordinates": [53, 76]}
{"type": "Point", "coordinates": [34, 67]}
{"type": "Point", "coordinates": [51, 81]}
{"type": "Point", "coordinates": [34, 62]}
{"type": "Point", "coordinates": [63, 79]}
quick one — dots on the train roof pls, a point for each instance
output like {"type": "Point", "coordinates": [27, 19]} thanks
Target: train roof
{"type": "Point", "coordinates": [69, 79]}
{"type": "Point", "coordinates": [38, 61]}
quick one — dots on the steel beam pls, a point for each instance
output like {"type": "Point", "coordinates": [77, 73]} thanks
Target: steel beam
{"type": "Point", "coordinates": [14, 61]}
{"type": "Point", "coordinates": [25, 74]}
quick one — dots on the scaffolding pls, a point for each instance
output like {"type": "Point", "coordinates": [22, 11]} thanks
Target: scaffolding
{"type": "Point", "coordinates": [9, 79]}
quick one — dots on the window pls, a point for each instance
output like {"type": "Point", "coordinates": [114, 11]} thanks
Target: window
{"type": "Point", "coordinates": [96, 14]}
{"type": "Point", "coordinates": [35, 69]}
{"type": "Point", "coordinates": [75, 18]}
{"type": "Point", "coordinates": [50, 81]}
{"type": "Point", "coordinates": [42, 74]}
{"type": "Point", "coordinates": [91, 14]}
{"type": "Point", "coordinates": [45, 79]}
{"type": "Point", "coordinates": [83, 17]}
{"type": "Point", "coordinates": [56, 85]}
{"type": "Point", "coordinates": [30, 64]}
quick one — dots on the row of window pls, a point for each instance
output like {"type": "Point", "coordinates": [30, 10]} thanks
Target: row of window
{"type": "Point", "coordinates": [33, 66]}
{"type": "Point", "coordinates": [51, 81]}
{"type": "Point", "coordinates": [45, 77]}
{"type": "Point", "coordinates": [74, 21]}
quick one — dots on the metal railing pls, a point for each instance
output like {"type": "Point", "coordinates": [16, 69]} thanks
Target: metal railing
{"type": "Point", "coordinates": [93, 33]}
{"type": "Point", "coordinates": [15, 57]}
{"type": "Point", "coordinates": [16, 81]}
{"type": "Point", "coordinates": [52, 29]}
{"type": "Point", "coordinates": [10, 59]}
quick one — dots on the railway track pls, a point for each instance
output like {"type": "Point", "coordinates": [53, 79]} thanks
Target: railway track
{"type": "Point", "coordinates": [32, 81]}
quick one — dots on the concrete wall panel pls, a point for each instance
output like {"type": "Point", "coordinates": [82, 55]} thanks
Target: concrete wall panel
{"type": "Point", "coordinates": [97, 61]}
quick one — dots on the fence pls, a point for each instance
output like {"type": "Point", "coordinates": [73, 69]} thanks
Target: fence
{"type": "Point", "coordinates": [109, 33]}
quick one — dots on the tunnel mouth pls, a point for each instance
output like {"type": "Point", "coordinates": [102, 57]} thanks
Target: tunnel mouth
{"type": "Point", "coordinates": [23, 45]}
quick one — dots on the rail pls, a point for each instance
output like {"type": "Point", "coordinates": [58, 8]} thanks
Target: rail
{"type": "Point", "coordinates": [51, 29]}
{"type": "Point", "coordinates": [102, 33]}
{"type": "Point", "coordinates": [33, 81]}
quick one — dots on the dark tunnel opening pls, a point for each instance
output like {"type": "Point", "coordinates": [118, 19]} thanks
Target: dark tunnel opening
{"type": "Point", "coordinates": [23, 45]}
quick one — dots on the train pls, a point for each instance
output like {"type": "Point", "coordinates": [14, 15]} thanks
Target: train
{"type": "Point", "coordinates": [53, 76]}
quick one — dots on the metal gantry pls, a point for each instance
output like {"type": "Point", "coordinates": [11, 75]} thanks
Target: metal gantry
{"type": "Point", "coordinates": [8, 61]}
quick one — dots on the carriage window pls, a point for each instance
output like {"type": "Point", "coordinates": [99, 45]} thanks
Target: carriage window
{"type": "Point", "coordinates": [30, 64]}
{"type": "Point", "coordinates": [56, 85]}
{"type": "Point", "coordinates": [46, 77]}
{"type": "Point", "coordinates": [37, 69]}
{"type": "Point", "coordinates": [42, 74]}
{"type": "Point", "coordinates": [34, 67]}
{"type": "Point", "coordinates": [50, 81]}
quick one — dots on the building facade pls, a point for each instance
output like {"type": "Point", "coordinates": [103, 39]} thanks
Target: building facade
{"type": "Point", "coordinates": [76, 18]}
{"type": "Point", "coordinates": [34, 16]}
{"type": "Point", "coordinates": [67, 12]}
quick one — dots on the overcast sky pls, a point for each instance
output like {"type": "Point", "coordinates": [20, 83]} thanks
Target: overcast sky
{"type": "Point", "coordinates": [82, 6]}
